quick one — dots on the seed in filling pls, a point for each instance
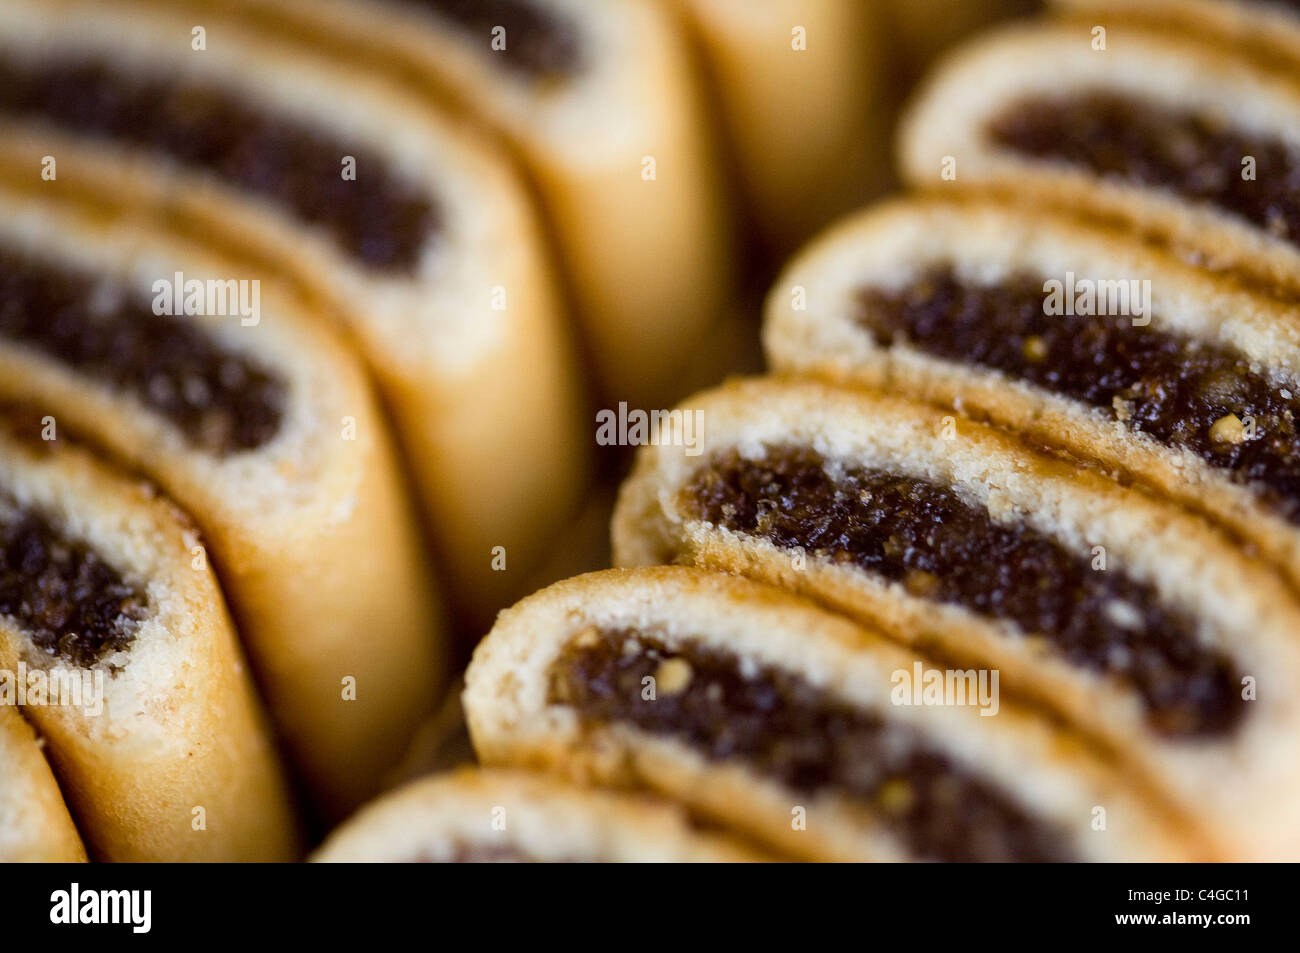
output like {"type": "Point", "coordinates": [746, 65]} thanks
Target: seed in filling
{"type": "Point", "coordinates": [924, 536]}
{"type": "Point", "coordinates": [1168, 385]}
{"type": "Point", "coordinates": [539, 43]}
{"type": "Point", "coordinates": [70, 602]}
{"type": "Point", "coordinates": [1195, 156]}
{"type": "Point", "coordinates": [787, 729]}
{"type": "Point", "coordinates": [378, 218]}
{"type": "Point", "coordinates": [221, 401]}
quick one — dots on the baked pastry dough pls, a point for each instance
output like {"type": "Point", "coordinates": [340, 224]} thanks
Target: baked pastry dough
{"type": "Point", "coordinates": [124, 658]}
{"type": "Point", "coordinates": [496, 815]}
{"type": "Point", "coordinates": [799, 86]}
{"type": "Point", "coordinates": [1269, 28]}
{"type": "Point", "coordinates": [767, 715]}
{"type": "Point", "coordinates": [34, 822]}
{"type": "Point", "coordinates": [1040, 323]}
{"type": "Point", "coordinates": [268, 435]}
{"type": "Point", "coordinates": [1142, 625]}
{"type": "Point", "coordinates": [430, 253]}
{"type": "Point", "coordinates": [1187, 143]}
{"type": "Point", "coordinates": [587, 93]}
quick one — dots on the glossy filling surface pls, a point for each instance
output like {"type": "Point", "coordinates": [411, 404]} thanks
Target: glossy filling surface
{"type": "Point", "coordinates": [788, 730]}
{"type": "Point", "coordinates": [378, 218]}
{"type": "Point", "coordinates": [65, 597]}
{"type": "Point", "coordinates": [1185, 393]}
{"type": "Point", "coordinates": [538, 42]}
{"type": "Point", "coordinates": [941, 548]}
{"type": "Point", "coordinates": [1197, 157]}
{"type": "Point", "coordinates": [221, 401]}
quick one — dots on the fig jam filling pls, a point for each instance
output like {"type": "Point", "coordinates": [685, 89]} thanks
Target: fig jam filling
{"type": "Point", "coordinates": [939, 547]}
{"type": "Point", "coordinates": [222, 402]}
{"type": "Point", "coordinates": [72, 604]}
{"type": "Point", "coordinates": [1198, 157]}
{"type": "Point", "coordinates": [539, 44]}
{"type": "Point", "coordinates": [378, 219]}
{"type": "Point", "coordinates": [786, 729]}
{"type": "Point", "coordinates": [1185, 393]}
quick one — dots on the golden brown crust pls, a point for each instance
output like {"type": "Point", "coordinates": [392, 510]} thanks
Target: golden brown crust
{"type": "Point", "coordinates": [1245, 610]}
{"type": "Point", "coordinates": [536, 816]}
{"type": "Point", "coordinates": [485, 400]}
{"type": "Point", "coordinates": [34, 823]}
{"type": "Point", "coordinates": [988, 238]}
{"type": "Point", "coordinates": [166, 754]}
{"type": "Point", "coordinates": [946, 121]}
{"type": "Point", "coordinates": [310, 534]}
{"type": "Point", "coordinates": [512, 721]}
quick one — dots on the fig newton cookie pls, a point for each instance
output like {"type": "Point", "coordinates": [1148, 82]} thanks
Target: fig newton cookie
{"type": "Point", "coordinates": [1183, 140]}
{"type": "Point", "coordinates": [123, 656]}
{"type": "Point", "coordinates": [768, 716]}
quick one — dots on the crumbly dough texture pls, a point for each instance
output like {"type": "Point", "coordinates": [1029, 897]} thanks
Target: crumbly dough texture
{"type": "Point", "coordinates": [181, 727]}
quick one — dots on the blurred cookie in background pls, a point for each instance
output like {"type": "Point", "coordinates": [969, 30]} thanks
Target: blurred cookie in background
{"type": "Point", "coordinates": [602, 105]}
{"type": "Point", "coordinates": [1271, 29]}
{"type": "Point", "coordinates": [405, 224]}
{"type": "Point", "coordinates": [35, 826]}
{"type": "Point", "coordinates": [798, 85]}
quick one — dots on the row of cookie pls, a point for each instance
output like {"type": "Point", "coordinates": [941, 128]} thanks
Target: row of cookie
{"type": "Point", "coordinates": [254, 415]}
{"type": "Point", "coordinates": [1146, 660]}
{"type": "Point", "coordinates": [291, 159]}
{"type": "Point", "coordinates": [1095, 501]}
{"type": "Point", "coordinates": [1167, 651]}
{"type": "Point", "coordinates": [798, 708]}
{"type": "Point", "coordinates": [340, 145]}
{"type": "Point", "coordinates": [752, 711]}
{"type": "Point", "coordinates": [269, 437]}
{"type": "Point", "coordinates": [125, 125]}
